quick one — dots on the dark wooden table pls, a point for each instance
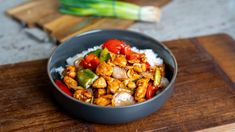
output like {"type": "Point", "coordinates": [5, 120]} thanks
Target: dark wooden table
{"type": "Point", "coordinates": [204, 94]}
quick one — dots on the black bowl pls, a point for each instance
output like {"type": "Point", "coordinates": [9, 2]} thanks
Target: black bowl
{"type": "Point", "coordinates": [110, 115]}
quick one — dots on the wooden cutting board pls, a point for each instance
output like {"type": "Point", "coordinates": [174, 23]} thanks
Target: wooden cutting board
{"type": "Point", "coordinates": [203, 97]}
{"type": "Point", "coordinates": [44, 14]}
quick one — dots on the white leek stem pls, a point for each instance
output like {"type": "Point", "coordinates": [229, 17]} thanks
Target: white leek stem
{"type": "Point", "coordinates": [150, 14]}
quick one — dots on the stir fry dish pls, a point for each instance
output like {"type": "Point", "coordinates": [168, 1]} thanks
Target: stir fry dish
{"type": "Point", "coordinates": [113, 74]}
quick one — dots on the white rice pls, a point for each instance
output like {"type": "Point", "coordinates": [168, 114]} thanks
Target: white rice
{"type": "Point", "coordinates": [60, 71]}
{"type": "Point", "coordinates": [152, 57]}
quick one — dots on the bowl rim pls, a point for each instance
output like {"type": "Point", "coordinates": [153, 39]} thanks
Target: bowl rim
{"type": "Point", "coordinates": [175, 70]}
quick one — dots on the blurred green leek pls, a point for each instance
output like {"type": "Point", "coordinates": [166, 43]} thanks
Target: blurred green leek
{"type": "Point", "coordinates": [110, 8]}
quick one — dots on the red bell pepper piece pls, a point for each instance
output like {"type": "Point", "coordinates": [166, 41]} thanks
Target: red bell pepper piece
{"type": "Point", "coordinates": [90, 61]}
{"type": "Point", "coordinates": [126, 50]}
{"type": "Point", "coordinates": [114, 45]}
{"type": "Point", "coordinates": [151, 91]}
{"type": "Point", "coordinates": [147, 66]}
{"type": "Point", "coordinates": [117, 47]}
{"type": "Point", "coordinates": [63, 87]}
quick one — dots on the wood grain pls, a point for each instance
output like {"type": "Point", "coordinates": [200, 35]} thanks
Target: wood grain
{"type": "Point", "coordinates": [44, 14]}
{"type": "Point", "coordinates": [203, 97]}
{"type": "Point", "coordinates": [61, 23]}
{"type": "Point", "coordinates": [33, 11]}
{"type": "Point", "coordinates": [223, 128]}
{"type": "Point", "coordinates": [42, 22]}
{"type": "Point", "coordinates": [110, 22]}
{"type": "Point", "coordinates": [222, 51]}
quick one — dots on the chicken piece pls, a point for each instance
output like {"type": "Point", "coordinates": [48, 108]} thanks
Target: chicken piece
{"type": "Point", "coordinates": [112, 55]}
{"type": "Point", "coordinates": [147, 74]}
{"type": "Point", "coordinates": [134, 58]}
{"type": "Point", "coordinates": [83, 95]}
{"type": "Point", "coordinates": [140, 92]}
{"type": "Point", "coordinates": [108, 91]}
{"type": "Point", "coordinates": [70, 71]}
{"type": "Point", "coordinates": [137, 58]}
{"type": "Point", "coordinates": [134, 61]}
{"type": "Point", "coordinates": [103, 100]}
{"type": "Point", "coordinates": [125, 90]}
{"type": "Point", "coordinates": [120, 60]}
{"type": "Point", "coordinates": [99, 83]}
{"type": "Point", "coordinates": [108, 96]}
{"type": "Point", "coordinates": [143, 58]}
{"type": "Point", "coordinates": [70, 82]}
{"type": "Point", "coordinates": [114, 84]}
{"type": "Point", "coordinates": [122, 99]}
{"type": "Point", "coordinates": [109, 62]}
{"type": "Point", "coordinates": [139, 67]}
{"type": "Point", "coordinates": [128, 67]}
{"type": "Point", "coordinates": [104, 69]}
{"type": "Point", "coordinates": [132, 75]}
{"type": "Point", "coordinates": [126, 81]}
{"type": "Point", "coordinates": [100, 92]}
{"type": "Point", "coordinates": [131, 85]}
{"type": "Point", "coordinates": [141, 100]}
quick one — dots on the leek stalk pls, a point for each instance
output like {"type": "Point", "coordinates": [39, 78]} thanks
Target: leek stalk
{"type": "Point", "coordinates": [110, 8]}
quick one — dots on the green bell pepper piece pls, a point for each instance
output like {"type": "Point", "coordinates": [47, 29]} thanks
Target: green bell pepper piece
{"type": "Point", "coordinates": [86, 77]}
{"type": "Point", "coordinates": [95, 52]}
{"type": "Point", "coordinates": [104, 55]}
